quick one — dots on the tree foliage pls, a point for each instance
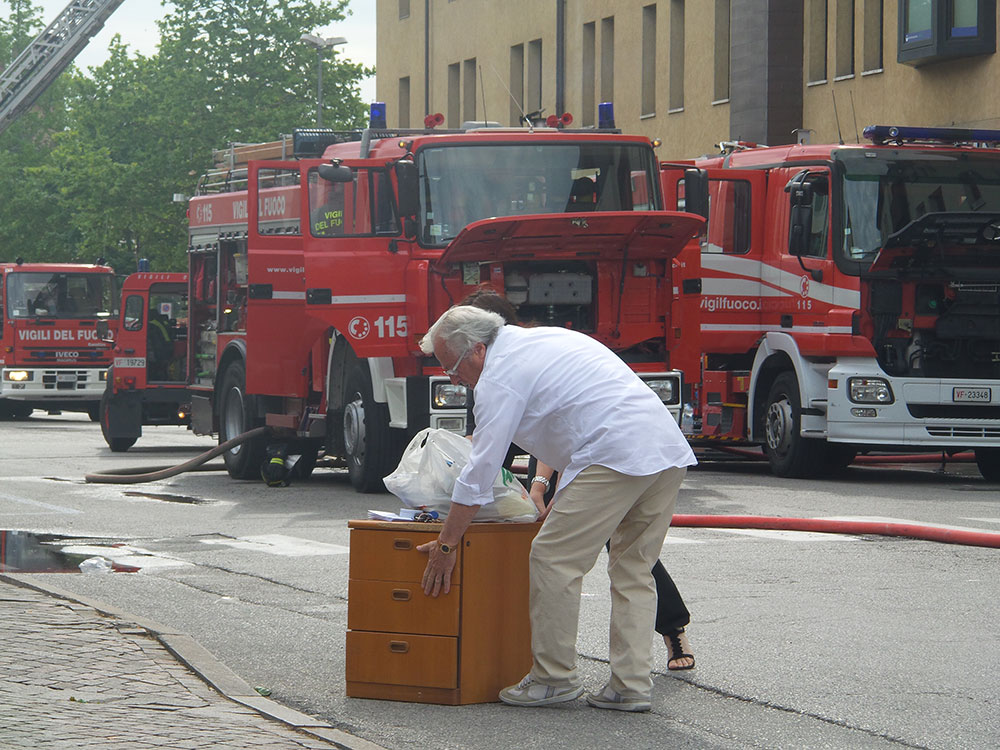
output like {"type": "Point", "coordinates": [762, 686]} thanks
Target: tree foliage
{"type": "Point", "coordinates": [92, 169]}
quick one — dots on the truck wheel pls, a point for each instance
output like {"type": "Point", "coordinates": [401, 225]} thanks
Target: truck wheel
{"type": "Point", "coordinates": [309, 453]}
{"type": "Point", "coordinates": [789, 454]}
{"type": "Point", "coordinates": [15, 410]}
{"type": "Point", "coordinates": [366, 431]}
{"type": "Point", "coordinates": [988, 461]}
{"type": "Point", "coordinates": [236, 416]}
{"type": "Point", "coordinates": [116, 444]}
{"type": "Point", "coordinates": [94, 412]}
{"type": "Point", "coordinates": [839, 456]}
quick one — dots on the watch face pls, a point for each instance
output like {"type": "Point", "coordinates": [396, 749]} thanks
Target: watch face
{"type": "Point", "coordinates": [446, 548]}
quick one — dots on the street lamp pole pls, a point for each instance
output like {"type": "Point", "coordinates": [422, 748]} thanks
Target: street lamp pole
{"type": "Point", "coordinates": [320, 44]}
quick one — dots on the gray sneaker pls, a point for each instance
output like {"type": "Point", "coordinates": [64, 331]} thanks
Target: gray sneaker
{"type": "Point", "coordinates": [608, 698]}
{"type": "Point", "coordinates": [530, 693]}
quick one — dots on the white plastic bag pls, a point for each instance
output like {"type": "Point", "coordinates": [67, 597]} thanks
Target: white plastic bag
{"type": "Point", "coordinates": [430, 465]}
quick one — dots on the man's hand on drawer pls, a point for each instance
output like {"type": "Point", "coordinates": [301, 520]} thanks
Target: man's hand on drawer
{"type": "Point", "coordinates": [437, 574]}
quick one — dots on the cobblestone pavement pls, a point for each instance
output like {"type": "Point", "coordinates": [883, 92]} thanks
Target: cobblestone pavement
{"type": "Point", "coordinates": [72, 677]}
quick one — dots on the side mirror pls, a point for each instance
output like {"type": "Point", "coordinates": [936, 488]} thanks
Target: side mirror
{"type": "Point", "coordinates": [335, 173]}
{"type": "Point", "coordinates": [408, 185]}
{"type": "Point", "coordinates": [696, 192]}
{"type": "Point", "coordinates": [800, 198]}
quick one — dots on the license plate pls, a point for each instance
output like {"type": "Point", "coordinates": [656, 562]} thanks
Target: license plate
{"type": "Point", "coordinates": [66, 377]}
{"type": "Point", "coordinates": [975, 395]}
{"type": "Point", "coordinates": [123, 362]}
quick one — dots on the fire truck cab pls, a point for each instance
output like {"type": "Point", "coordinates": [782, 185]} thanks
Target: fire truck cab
{"type": "Point", "coordinates": [846, 298]}
{"type": "Point", "coordinates": [147, 383]}
{"type": "Point", "coordinates": [315, 271]}
{"type": "Point", "coordinates": [52, 356]}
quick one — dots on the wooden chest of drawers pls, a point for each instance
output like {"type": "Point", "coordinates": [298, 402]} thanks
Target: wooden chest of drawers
{"type": "Point", "coordinates": [461, 647]}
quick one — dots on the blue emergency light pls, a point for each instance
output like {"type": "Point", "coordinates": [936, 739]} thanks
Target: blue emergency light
{"type": "Point", "coordinates": [376, 116]}
{"type": "Point", "coordinates": [880, 134]}
{"type": "Point", "coordinates": [606, 116]}
{"type": "Point", "coordinates": [143, 264]}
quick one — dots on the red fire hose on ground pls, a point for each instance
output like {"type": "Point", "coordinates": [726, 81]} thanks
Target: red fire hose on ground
{"type": "Point", "coordinates": [830, 526]}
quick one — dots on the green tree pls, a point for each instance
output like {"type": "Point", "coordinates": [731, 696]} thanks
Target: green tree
{"type": "Point", "coordinates": [139, 129]}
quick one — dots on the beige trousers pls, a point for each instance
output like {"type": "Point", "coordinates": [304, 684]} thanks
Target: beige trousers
{"type": "Point", "coordinates": [634, 513]}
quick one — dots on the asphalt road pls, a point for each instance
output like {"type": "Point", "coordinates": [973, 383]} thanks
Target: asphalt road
{"type": "Point", "coordinates": [802, 640]}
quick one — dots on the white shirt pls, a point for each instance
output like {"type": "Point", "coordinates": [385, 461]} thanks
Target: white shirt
{"type": "Point", "coordinates": [572, 403]}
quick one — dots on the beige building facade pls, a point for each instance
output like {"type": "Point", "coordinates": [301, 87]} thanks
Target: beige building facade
{"type": "Point", "coordinates": [693, 73]}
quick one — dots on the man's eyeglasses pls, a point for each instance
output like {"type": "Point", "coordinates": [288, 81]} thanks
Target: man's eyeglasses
{"type": "Point", "coordinates": [453, 372]}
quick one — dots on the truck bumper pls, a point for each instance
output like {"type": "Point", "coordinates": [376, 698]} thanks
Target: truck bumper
{"type": "Point", "coordinates": [925, 412]}
{"type": "Point", "coordinates": [53, 385]}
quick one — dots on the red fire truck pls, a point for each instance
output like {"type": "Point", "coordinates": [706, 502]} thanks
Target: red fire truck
{"type": "Point", "coordinates": [312, 278]}
{"type": "Point", "coordinates": [53, 357]}
{"type": "Point", "coordinates": [148, 380]}
{"type": "Point", "coordinates": [846, 298]}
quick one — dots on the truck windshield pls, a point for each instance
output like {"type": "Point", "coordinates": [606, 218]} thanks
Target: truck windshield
{"type": "Point", "coordinates": [884, 190]}
{"type": "Point", "coordinates": [60, 295]}
{"type": "Point", "coordinates": [461, 184]}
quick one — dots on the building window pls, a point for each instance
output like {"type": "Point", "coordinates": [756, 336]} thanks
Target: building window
{"type": "Point", "coordinates": [404, 9]}
{"type": "Point", "coordinates": [534, 78]}
{"type": "Point", "coordinates": [469, 90]}
{"type": "Point", "coordinates": [720, 92]}
{"type": "Point", "coordinates": [845, 38]}
{"type": "Point", "coordinates": [873, 35]}
{"type": "Point", "coordinates": [404, 102]}
{"type": "Point", "coordinates": [817, 41]}
{"type": "Point", "coordinates": [587, 102]}
{"type": "Point", "coordinates": [676, 55]}
{"type": "Point", "coordinates": [649, 60]}
{"type": "Point", "coordinates": [516, 84]}
{"type": "Point", "coordinates": [608, 59]}
{"type": "Point", "coordinates": [454, 95]}
{"type": "Point", "coordinates": [935, 30]}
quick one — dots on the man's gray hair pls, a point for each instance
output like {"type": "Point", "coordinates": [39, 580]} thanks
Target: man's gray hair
{"type": "Point", "coordinates": [461, 328]}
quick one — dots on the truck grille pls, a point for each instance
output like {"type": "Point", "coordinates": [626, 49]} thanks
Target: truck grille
{"type": "Point", "coordinates": [944, 431]}
{"type": "Point", "coordinates": [64, 380]}
{"type": "Point", "coordinates": [953, 411]}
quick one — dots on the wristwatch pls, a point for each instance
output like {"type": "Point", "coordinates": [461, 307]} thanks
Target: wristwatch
{"type": "Point", "coordinates": [446, 549]}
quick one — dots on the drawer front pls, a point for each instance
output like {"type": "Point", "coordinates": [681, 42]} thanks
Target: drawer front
{"type": "Point", "coordinates": [401, 607]}
{"type": "Point", "coordinates": [390, 555]}
{"type": "Point", "coordinates": [393, 659]}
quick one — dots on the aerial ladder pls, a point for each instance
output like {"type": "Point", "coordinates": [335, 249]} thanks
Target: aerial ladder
{"type": "Point", "coordinates": [41, 62]}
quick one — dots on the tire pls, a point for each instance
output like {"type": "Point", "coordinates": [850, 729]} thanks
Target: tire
{"type": "Point", "coordinates": [839, 456]}
{"type": "Point", "coordinates": [237, 412]}
{"type": "Point", "coordinates": [789, 454]}
{"type": "Point", "coordinates": [18, 411]}
{"type": "Point", "coordinates": [366, 432]}
{"type": "Point", "coordinates": [988, 461]}
{"type": "Point", "coordinates": [308, 455]}
{"type": "Point", "coordinates": [116, 444]}
{"type": "Point", "coordinates": [94, 412]}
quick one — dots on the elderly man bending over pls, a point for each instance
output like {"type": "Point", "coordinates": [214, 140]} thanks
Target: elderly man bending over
{"type": "Point", "coordinates": [572, 403]}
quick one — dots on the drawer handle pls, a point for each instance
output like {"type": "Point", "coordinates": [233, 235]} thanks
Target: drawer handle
{"type": "Point", "coordinates": [402, 543]}
{"type": "Point", "coordinates": [399, 647]}
{"type": "Point", "coordinates": [401, 595]}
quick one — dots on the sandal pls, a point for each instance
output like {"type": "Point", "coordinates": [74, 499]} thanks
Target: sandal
{"type": "Point", "coordinates": [678, 650]}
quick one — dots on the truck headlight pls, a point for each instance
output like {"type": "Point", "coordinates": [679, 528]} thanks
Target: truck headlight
{"type": "Point", "coordinates": [664, 388]}
{"type": "Point", "coordinates": [103, 377]}
{"type": "Point", "coordinates": [448, 396]}
{"type": "Point", "coordinates": [869, 391]}
{"type": "Point", "coordinates": [17, 376]}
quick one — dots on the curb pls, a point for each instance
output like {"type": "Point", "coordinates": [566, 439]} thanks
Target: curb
{"type": "Point", "coordinates": [200, 661]}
